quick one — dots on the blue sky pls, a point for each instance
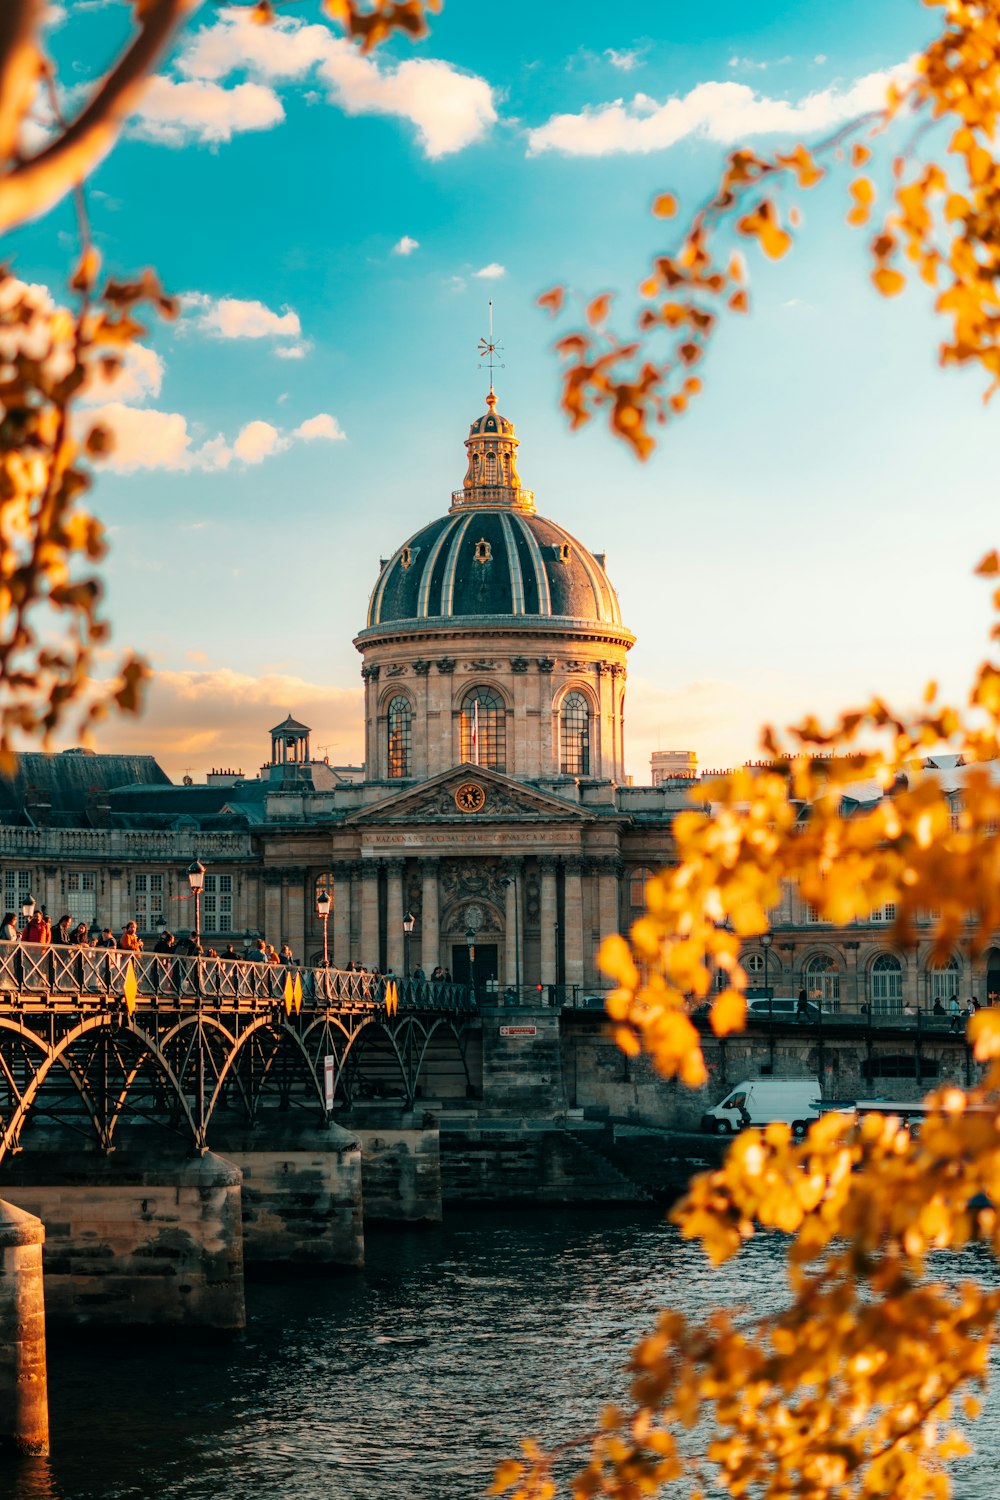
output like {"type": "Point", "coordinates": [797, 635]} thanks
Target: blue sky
{"type": "Point", "coordinates": [803, 538]}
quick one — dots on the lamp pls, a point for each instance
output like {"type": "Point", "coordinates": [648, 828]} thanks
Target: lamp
{"type": "Point", "coordinates": [766, 939]}
{"type": "Point", "coordinates": [470, 939]}
{"type": "Point", "coordinates": [409, 922]}
{"type": "Point", "coordinates": [324, 901]}
{"type": "Point", "coordinates": [28, 908]}
{"type": "Point", "coordinates": [196, 880]}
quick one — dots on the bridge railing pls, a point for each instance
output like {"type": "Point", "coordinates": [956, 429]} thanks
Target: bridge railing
{"type": "Point", "coordinates": [54, 971]}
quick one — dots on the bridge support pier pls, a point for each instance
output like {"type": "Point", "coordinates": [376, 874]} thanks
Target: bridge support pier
{"type": "Point", "coordinates": [301, 1191]}
{"type": "Point", "coordinates": [24, 1400]}
{"type": "Point", "coordinates": [135, 1239]}
{"type": "Point", "coordinates": [400, 1168]}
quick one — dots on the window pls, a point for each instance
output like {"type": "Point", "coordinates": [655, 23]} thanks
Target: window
{"type": "Point", "coordinates": [637, 890]}
{"type": "Point", "coordinates": [754, 963]}
{"type": "Point", "coordinates": [886, 984]}
{"type": "Point", "coordinates": [324, 883]}
{"type": "Point", "coordinates": [886, 913]}
{"type": "Point", "coordinates": [574, 720]}
{"type": "Point", "coordinates": [720, 981]}
{"type": "Point", "coordinates": [822, 980]}
{"type": "Point", "coordinates": [811, 913]}
{"type": "Point", "coordinates": [398, 719]}
{"type": "Point", "coordinates": [217, 904]}
{"type": "Point", "coordinates": [147, 900]}
{"type": "Point", "coordinates": [16, 888]}
{"type": "Point", "coordinates": [81, 895]}
{"type": "Point", "coordinates": [945, 981]}
{"type": "Point", "coordinates": [484, 729]}
{"type": "Point", "coordinates": [899, 1065]}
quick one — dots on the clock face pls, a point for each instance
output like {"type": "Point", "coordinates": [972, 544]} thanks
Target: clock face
{"type": "Point", "coordinates": [469, 797]}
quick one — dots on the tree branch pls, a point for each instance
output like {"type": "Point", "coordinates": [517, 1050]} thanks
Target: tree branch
{"type": "Point", "coordinates": [34, 186]}
{"type": "Point", "coordinates": [20, 63]}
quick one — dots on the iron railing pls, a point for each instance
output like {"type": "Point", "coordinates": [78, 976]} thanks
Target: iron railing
{"type": "Point", "coordinates": [54, 972]}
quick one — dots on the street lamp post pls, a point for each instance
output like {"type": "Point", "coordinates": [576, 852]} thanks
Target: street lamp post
{"type": "Point", "coordinates": [470, 938]}
{"type": "Point", "coordinates": [506, 881]}
{"type": "Point", "coordinates": [408, 924]}
{"type": "Point", "coordinates": [196, 880]}
{"type": "Point", "coordinates": [28, 908]}
{"type": "Point", "coordinates": [766, 939]}
{"type": "Point", "coordinates": [323, 905]}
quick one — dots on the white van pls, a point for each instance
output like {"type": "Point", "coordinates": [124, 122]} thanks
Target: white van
{"type": "Point", "coordinates": [762, 1100]}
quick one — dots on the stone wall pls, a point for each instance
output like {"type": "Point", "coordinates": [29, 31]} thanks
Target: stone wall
{"type": "Point", "coordinates": [522, 1063]}
{"type": "Point", "coordinates": [401, 1174]}
{"type": "Point", "coordinates": [301, 1195]}
{"type": "Point", "coordinates": [528, 1167]}
{"type": "Point", "coordinates": [132, 1240]}
{"type": "Point", "coordinates": [604, 1083]}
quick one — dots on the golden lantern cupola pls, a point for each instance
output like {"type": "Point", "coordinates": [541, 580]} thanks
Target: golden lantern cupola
{"type": "Point", "coordinates": [491, 478]}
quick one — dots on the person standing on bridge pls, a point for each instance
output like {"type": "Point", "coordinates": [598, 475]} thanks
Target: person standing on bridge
{"type": "Point", "coordinates": [61, 932]}
{"type": "Point", "coordinates": [130, 941]}
{"type": "Point", "coordinates": [35, 932]}
{"type": "Point", "coordinates": [8, 929]}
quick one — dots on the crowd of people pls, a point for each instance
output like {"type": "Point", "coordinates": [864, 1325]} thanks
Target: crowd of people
{"type": "Point", "coordinates": [67, 934]}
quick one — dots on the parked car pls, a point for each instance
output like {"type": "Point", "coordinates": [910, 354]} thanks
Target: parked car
{"type": "Point", "coordinates": [783, 1008]}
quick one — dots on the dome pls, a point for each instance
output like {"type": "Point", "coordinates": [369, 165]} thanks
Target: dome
{"type": "Point", "coordinates": [492, 555]}
{"type": "Point", "coordinates": [493, 560]}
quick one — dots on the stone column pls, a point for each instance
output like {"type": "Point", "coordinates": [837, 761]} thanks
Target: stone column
{"type": "Point", "coordinates": [272, 907]}
{"type": "Point", "coordinates": [340, 923]}
{"type": "Point", "coordinates": [607, 896]}
{"type": "Point", "coordinates": [295, 922]}
{"type": "Point", "coordinates": [117, 893]}
{"type": "Point", "coordinates": [514, 924]}
{"type": "Point", "coordinates": [573, 924]}
{"type": "Point", "coordinates": [430, 918]}
{"type": "Point", "coordinates": [24, 1402]}
{"type": "Point", "coordinates": [369, 913]}
{"type": "Point", "coordinates": [548, 916]}
{"type": "Point", "coordinates": [394, 917]}
{"type": "Point", "coordinates": [51, 894]}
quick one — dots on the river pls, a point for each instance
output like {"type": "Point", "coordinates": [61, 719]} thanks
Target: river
{"type": "Point", "coordinates": [407, 1381]}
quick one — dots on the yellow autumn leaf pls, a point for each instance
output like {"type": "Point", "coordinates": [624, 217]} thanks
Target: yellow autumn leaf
{"type": "Point", "coordinates": [665, 206]}
{"type": "Point", "coordinates": [728, 1013]}
{"type": "Point", "coordinates": [888, 281]}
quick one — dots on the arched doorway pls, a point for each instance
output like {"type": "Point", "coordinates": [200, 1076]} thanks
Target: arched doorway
{"type": "Point", "coordinates": [472, 937]}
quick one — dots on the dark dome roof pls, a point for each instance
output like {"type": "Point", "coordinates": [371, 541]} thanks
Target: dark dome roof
{"type": "Point", "coordinates": [493, 561]}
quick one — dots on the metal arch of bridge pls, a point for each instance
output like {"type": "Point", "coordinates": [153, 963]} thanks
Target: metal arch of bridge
{"type": "Point", "coordinates": [199, 1035]}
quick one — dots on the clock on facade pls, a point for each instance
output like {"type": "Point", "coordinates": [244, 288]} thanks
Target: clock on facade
{"type": "Point", "coordinates": [469, 797]}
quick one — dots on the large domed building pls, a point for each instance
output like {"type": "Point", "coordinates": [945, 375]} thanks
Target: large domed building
{"type": "Point", "coordinates": [494, 637]}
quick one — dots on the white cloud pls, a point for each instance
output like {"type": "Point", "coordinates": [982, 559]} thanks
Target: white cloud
{"type": "Point", "coordinates": [146, 438]}
{"type": "Point", "coordinates": [140, 375]}
{"type": "Point", "coordinates": [257, 441]}
{"type": "Point", "coordinates": [492, 272]}
{"type": "Point", "coordinates": [405, 246]}
{"type": "Point", "coordinates": [449, 109]}
{"type": "Point", "coordinates": [174, 112]}
{"type": "Point", "coordinates": [322, 425]}
{"type": "Point", "coordinates": [724, 112]}
{"type": "Point", "coordinates": [626, 60]}
{"type": "Point", "coordinates": [235, 318]}
{"type": "Point", "coordinates": [294, 351]}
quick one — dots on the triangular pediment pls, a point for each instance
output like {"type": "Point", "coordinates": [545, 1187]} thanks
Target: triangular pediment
{"type": "Point", "coordinates": [470, 795]}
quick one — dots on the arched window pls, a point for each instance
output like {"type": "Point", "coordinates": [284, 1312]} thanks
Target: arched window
{"type": "Point", "coordinates": [484, 729]}
{"type": "Point", "coordinates": [822, 980]}
{"type": "Point", "coordinates": [886, 984]}
{"type": "Point", "coordinates": [574, 722]}
{"type": "Point", "coordinates": [945, 980]}
{"type": "Point", "coordinates": [398, 719]}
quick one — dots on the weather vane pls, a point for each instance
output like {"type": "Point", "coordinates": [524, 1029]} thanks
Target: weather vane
{"type": "Point", "coordinates": [490, 349]}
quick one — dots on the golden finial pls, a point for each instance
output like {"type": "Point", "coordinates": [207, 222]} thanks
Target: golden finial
{"type": "Point", "coordinates": [489, 351]}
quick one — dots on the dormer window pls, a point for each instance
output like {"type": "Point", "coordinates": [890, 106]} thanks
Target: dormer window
{"type": "Point", "coordinates": [562, 552]}
{"type": "Point", "coordinates": [406, 557]}
{"type": "Point", "coordinates": [483, 552]}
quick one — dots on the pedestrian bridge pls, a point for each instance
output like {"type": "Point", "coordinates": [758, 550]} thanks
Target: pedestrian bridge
{"type": "Point", "coordinates": [94, 1040]}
